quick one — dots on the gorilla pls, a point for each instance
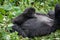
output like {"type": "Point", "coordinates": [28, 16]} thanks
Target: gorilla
{"type": "Point", "coordinates": [34, 24]}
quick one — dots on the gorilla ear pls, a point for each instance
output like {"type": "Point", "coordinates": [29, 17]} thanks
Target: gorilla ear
{"type": "Point", "coordinates": [29, 10]}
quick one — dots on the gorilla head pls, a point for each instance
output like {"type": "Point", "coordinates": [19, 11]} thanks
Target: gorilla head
{"type": "Point", "coordinates": [27, 14]}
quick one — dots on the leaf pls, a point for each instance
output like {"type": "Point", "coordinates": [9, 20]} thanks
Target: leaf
{"type": "Point", "coordinates": [2, 11]}
{"type": "Point", "coordinates": [1, 18]}
{"type": "Point", "coordinates": [16, 8]}
{"type": "Point", "coordinates": [8, 7]}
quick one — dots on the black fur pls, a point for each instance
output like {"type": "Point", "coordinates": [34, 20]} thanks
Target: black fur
{"type": "Point", "coordinates": [27, 14]}
{"type": "Point", "coordinates": [51, 14]}
{"type": "Point", "coordinates": [38, 26]}
{"type": "Point", "coordinates": [57, 16]}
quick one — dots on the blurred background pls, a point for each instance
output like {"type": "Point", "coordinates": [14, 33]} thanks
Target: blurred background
{"type": "Point", "coordinates": [12, 8]}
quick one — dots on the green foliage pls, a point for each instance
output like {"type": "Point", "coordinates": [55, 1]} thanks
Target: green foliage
{"type": "Point", "coordinates": [12, 8]}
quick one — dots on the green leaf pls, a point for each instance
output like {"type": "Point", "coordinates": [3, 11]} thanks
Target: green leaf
{"type": "Point", "coordinates": [8, 7]}
{"type": "Point", "coordinates": [2, 11]}
{"type": "Point", "coordinates": [1, 18]}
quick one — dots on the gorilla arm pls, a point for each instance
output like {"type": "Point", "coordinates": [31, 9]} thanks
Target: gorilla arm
{"type": "Point", "coordinates": [15, 27]}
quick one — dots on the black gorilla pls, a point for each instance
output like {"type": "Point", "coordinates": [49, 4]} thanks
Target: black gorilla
{"type": "Point", "coordinates": [37, 24]}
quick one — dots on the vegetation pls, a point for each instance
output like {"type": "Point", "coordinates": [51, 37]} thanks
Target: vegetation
{"type": "Point", "coordinates": [12, 8]}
